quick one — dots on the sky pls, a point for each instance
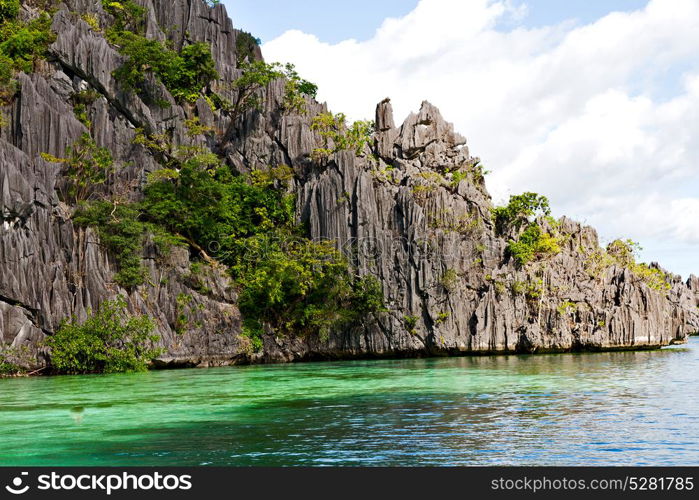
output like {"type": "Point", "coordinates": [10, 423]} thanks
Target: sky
{"type": "Point", "coordinates": [594, 104]}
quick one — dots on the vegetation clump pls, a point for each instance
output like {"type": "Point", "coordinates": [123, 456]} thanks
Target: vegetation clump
{"type": "Point", "coordinates": [8, 9]}
{"type": "Point", "coordinates": [246, 46]}
{"type": "Point", "coordinates": [295, 89]}
{"type": "Point", "coordinates": [86, 167]}
{"type": "Point", "coordinates": [110, 340]}
{"type": "Point", "coordinates": [256, 76]}
{"type": "Point", "coordinates": [623, 253]}
{"type": "Point", "coordinates": [533, 244]}
{"type": "Point", "coordinates": [479, 172]}
{"type": "Point", "coordinates": [81, 102]}
{"type": "Point", "coordinates": [123, 233]}
{"type": "Point", "coordinates": [14, 360]}
{"type": "Point", "coordinates": [128, 17]}
{"type": "Point", "coordinates": [469, 223]}
{"type": "Point", "coordinates": [8, 85]}
{"type": "Point", "coordinates": [521, 209]}
{"type": "Point", "coordinates": [567, 307]}
{"type": "Point", "coordinates": [187, 73]}
{"type": "Point", "coordinates": [195, 127]}
{"type": "Point", "coordinates": [184, 74]}
{"type": "Point", "coordinates": [532, 289]}
{"type": "Point", "coordinates": [21, 44]}
{"type": "Point", "coordinates": [247, 223]}
{"type": "Point", "coordinates": [338, 136]}
{"type": "Point", "coordinates": [410, 323]}
{"type": "Point", "coordinates": [449, 280]}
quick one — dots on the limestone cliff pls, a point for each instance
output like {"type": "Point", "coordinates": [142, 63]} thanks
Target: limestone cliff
{"type": "Point", "coordinates": [398, 210]}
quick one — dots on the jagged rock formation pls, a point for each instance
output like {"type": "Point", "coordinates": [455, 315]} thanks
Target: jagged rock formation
{"type": "Point", "coordinates": [397, 211]}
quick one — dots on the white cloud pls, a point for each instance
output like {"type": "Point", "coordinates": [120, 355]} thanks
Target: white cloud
{"type": "Point", "coordinates": [568, 111]}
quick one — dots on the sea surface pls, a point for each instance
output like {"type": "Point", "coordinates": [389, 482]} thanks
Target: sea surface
{"type": "Point", "coordinates": [627, 408]}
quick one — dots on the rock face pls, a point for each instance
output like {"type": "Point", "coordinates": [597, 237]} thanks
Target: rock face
{"type": "Point", "coordinates": [413, 211]}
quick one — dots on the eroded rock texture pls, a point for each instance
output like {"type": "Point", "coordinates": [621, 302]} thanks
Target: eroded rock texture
{"type": "Point", "coordinates": [397, 211]}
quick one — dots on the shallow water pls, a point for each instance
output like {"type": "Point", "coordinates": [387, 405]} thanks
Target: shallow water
{"type": "Point", "coordinates": [629, 408]}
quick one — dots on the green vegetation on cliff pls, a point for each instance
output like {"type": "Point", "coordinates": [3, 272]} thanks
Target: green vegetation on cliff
{"type": "Point", "coordinates": [14, 360]}
{"type": "Point", "coordinates": [139, 178]}
{"type": "Point", "coordinates": [86, 167]}
{"type": "Point", "coordinates": [184, 73]}
{"type": "Point", "coordinates": [128, 17]}
{"type": "Point", "coordinates": [22, 43]}
{"type": "Point", "coordinates": [109, 340]}
{"type": "Point", "coordinates": [256, 76]}
{"type": "Point", "coordinates": [293, 284]}
{"type": "Point", "coordinates": [8, 9]}
{"type": "Point", "coordinates": [623, 253]}
{"type": "Point", "coordinates": [534, 242]}
{"type": "Point", "coordinates": [338, 136]}
{"type": "Point", "coordinates": [244, 222]}
{"type": "Point", "coordinates": [245, 47]}
{"type": "Point", "coordinates": [123, 233]}
{"type": "Point", "coordinates": [247, 223]}
{"type": "Point", "coordinates": [521, 209]}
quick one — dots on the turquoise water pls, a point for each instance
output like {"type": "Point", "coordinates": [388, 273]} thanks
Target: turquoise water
{"type": "Point", "coordinates": [630, 408]}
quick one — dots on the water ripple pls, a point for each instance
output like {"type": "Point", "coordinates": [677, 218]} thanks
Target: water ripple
{"type": "Point", "coordinates": [575, 409]}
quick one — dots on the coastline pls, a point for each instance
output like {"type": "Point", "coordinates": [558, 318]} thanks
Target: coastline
{"type": "Point", "coordinates": [167, 365]}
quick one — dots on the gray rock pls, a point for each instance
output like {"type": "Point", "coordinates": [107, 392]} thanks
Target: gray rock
{"type": "Point", "coordinates": [396, 211]}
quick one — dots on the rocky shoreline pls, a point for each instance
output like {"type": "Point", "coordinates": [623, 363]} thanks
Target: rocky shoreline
{"type": "Point", "coordinates": [412, 210]}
